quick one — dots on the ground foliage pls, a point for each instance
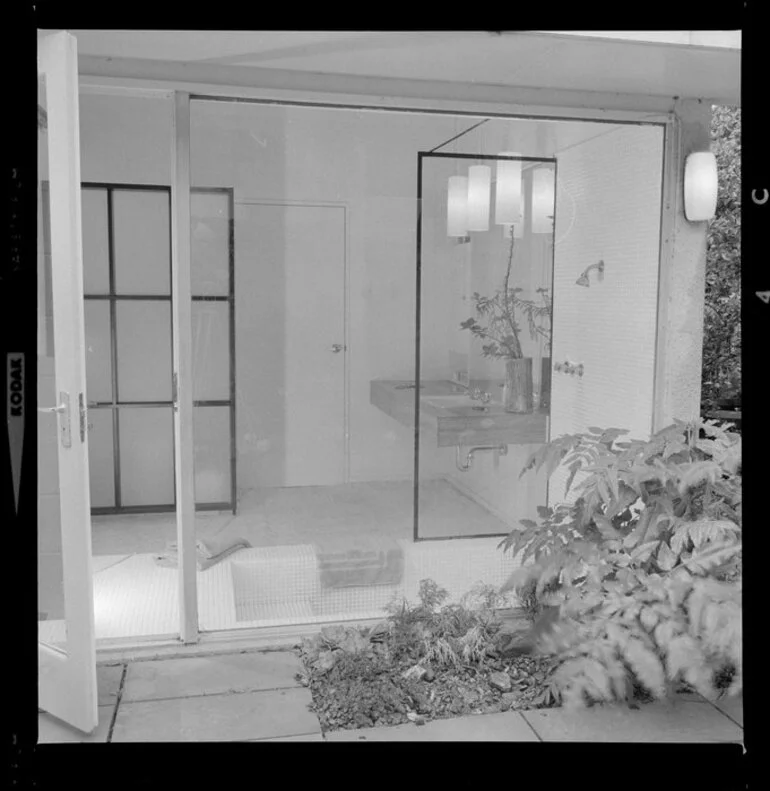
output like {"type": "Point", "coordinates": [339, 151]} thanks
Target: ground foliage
{"type": "Point", "coordinates": [426, 661]}
{"type": "Point", "coordinates": [643, 564]}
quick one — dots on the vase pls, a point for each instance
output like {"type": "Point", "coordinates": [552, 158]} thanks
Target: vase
{"type": "Point", "coordinates": [517, 390]}
{"type": "Point", "coordinates": [545, 383]}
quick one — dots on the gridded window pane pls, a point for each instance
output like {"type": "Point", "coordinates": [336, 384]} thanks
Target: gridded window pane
{"type": "Point", "coordinates": [142, 238]}
{"type": "Point", "coordinates": [210, 248]}
{"type": "Point", "coordinates": [211, 351]}
{"type": "Point", "coordinates": [96, 245]}
{"type": "Point", "coordinates": [211, 425]}
{"type": "Point", "coordinates": [101, 464]}
{"type": "Point", "coordinates": [146, 456]}
{"type": "Point", "coordinates": [144, 350]}
{"type": "Point", "coordinates": [98, 359]}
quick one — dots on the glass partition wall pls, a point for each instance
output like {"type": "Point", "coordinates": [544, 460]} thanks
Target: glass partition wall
{"type": "Point", "coordinates": [384, 304]}
{"type": "Point", "coordinates": [485, 273]}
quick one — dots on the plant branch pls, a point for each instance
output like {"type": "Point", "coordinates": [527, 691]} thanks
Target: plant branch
{"type": "Point", "coordinates": [506, 298]}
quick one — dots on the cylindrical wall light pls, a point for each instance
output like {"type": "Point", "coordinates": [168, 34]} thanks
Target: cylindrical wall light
{"type": "Point", "coordinates": [457, 206]}
{"type": "Point", "coordinates": [508, 190]}
{"type": "Point", "coordinates": [479, 182]}
{"type": "Point", "coordinates": [700, 186]}
{"type": "Point", "coordinates": [543, 197]}
{"type": "Point", "coordinates": [518, 227]}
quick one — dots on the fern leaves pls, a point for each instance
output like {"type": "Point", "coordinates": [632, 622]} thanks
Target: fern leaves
{"type": "Point", "coordinates": [647, 560]}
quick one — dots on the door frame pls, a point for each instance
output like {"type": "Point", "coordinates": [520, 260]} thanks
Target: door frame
{"type": "Point", "coordinates": [346, 335]}
{"type": "Point", "coordinates": [112, 298]}
{"type": "Point", "coordinates": [67, 678]}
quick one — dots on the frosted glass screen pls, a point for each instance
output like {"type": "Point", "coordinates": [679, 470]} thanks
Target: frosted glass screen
{"type": "Point", "coordinates": [101, 465]}
{"type": "Point", "coordinates": [144, 350]}
{"type": "Point", "coordinates": [146, 456]}
{"type": "Point", "coordinates": [98, 358]}
{"type": "Point", "coordinates": [142, 239]}
{"type": "Point", "coordinates": [210, 247]}
{"type": "Point", "coordinates": [212, 454]}
{"type": "Point", "coordinates": [96, 243]}
{"type": "Point", "coordinates": [211, 351]}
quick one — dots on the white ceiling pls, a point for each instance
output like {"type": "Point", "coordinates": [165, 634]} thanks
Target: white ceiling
{"type": "Point", "coordinates": [537, 59]}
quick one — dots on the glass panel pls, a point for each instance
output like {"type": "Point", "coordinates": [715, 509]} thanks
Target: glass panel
{"type": "Point", "coordinates": [146, 456]}
{"type": "Point", "coordinates": [144, 350]}
{"type": "Point", "coordinates": [96, 242]}
{"type": "Point", "coordinates": [211, 351]}
{"type": "Point", "coordinates": [484, 344]}
{"type": "Point", "coordinates": [50, 576]}
{"type": "Point", "coordinates": [142, 238]}
{"type": "Point", "coordinates": [101, 461]}
{"type": "Point", "coordinates": [98, 350]}
{"type": "Point", "coordinates": [325, 247]}
{"type": "Point", "coordinates": [212, 454]}
{"type": "Point", "coordinates": [210, 247]}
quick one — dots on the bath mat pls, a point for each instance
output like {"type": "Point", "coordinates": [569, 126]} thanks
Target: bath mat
{"type": "Point", "coordinates": [208, 552]}
{"type": "Point", "coordinates": [348, 563]}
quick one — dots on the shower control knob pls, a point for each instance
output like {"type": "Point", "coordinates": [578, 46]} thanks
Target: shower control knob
{"type": "Point", "coordinates": [338, 347]}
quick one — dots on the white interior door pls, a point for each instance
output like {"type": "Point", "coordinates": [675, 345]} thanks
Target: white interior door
{"type": "Point", "coordinates": [66, 646]}
{"type": "Point", "coordinates": [291, 346]}
{"type": "Point", "coordinates": [607, 209]}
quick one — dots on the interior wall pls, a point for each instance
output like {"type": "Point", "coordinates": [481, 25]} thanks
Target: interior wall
{"type": "Point", "coordinates": [366, 162]}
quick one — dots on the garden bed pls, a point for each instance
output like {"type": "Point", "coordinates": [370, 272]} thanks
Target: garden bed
{"type": "Point", "coordinates": [423, 663]}
{"type": "Point", "coordinates": [370, 687]}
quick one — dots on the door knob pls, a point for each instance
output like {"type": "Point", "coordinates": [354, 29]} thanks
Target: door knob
{"type": "Point", "coordinates": [338, 347]}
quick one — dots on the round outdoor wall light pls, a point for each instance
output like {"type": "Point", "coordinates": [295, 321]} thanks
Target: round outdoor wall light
{"type": "Point", "coordinates": [700, 186]}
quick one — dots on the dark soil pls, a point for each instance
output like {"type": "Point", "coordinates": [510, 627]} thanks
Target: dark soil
{"type": "Point", "coordinates": [367, 688]}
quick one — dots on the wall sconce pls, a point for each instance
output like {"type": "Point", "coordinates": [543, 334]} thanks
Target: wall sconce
{"type": "Point", "coordinates": [583, 279]}
{"type": "Point", "coordinates": [479, 183]}
{"type": "Point", "coordinates": [700, 186]}
{"type": "Point", "coordinates": [457, 206]}
{"type": "Point", "coordinates": [543, 197]}
{"type": "Point", "coordinates": [508, 190]}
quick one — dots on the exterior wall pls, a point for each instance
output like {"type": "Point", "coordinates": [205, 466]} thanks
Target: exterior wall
{"type": "Point", "coordinates": [682, 276]}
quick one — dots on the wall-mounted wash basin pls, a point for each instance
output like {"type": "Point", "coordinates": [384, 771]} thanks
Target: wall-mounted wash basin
{"type": "Point", "coordinates": [453, 418]}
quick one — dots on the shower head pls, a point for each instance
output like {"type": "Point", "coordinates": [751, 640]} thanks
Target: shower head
{"type": "Point", "coordinates": [583, 279]}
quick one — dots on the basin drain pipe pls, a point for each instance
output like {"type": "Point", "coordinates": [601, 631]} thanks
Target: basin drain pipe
{"type": "Point", "coordinates": [464, 466]}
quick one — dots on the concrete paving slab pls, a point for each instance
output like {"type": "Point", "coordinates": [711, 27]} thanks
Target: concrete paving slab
{"type": "Point", "coordinates": [229, 717]}
{"type": "Point", "coordinates": [53, 731]}
{"type": "Point", "coordinates": [210, 675]}
{"type": "Point", "coordinates": [501, 727]}
{"type": "Point", "coordinates": [305, 737]}
{"type": "Point", "coordinates": [732, 707]}
{"type": "Point", "coordinates": [108, 683]}
{"type": "Point", "coordinates": [679, 721]}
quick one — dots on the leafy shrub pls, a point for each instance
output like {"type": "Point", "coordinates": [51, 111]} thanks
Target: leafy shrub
{"type": "Point", "coordinates": [444, 635]}
{"type": "Point", "coordinates": [721, 371]}
{"type": "Point", "coordinates": [644, 565]}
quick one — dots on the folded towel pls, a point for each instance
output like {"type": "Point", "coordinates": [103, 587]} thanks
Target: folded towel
{"type": "Point", "coordinates": [353, 563]}
{"type": "Point", "coordinates": [208, 552]}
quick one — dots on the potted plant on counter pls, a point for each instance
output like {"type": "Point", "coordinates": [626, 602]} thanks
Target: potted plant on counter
{"type": "Point", "coordinates": [501, 337]}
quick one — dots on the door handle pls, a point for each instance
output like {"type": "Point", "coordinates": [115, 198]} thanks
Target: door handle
{"type": "Point", "coordinates": [338, 347]}
{"type": "Point", "coordinates": [60, 409]}
{"type": "Point", "coordinates": [63, 409]}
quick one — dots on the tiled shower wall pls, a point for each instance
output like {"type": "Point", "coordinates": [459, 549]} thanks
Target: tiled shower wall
{"type": "Point", "coordinates": [608, 208]}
